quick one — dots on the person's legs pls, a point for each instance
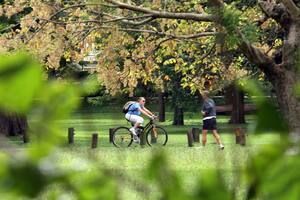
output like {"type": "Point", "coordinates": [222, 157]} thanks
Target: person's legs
{"type": "Point", "coordinates": [204, 134]}
{"type": "Point", "coordinates": [138, 121]}
{"type": "Point", "coordinates": [204, 131]}
{"type": "Point", "coordinates": [217, 136]}
{"type": "Point", "coordinates": [218, 139]}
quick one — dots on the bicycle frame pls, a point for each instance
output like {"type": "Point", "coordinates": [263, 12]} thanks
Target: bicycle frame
{"type": "Point", "coordinates": [143, 133]}
{"type": "Point", "coordinates": [144, 130]}
{"type": "Point", "coordinates": [148, 126]}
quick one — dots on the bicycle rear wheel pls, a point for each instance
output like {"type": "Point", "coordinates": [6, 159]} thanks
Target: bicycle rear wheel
{"type": "Point", "coordinates": [157, 136]}
{"type": "Point", "coordinates": [122, 137]}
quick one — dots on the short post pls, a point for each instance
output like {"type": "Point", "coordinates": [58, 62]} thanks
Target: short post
{"type": "Point", "coordinates": [237, 135]}
{"type": "Point", "coordinates": [25, 137]}
{"type": "Point", "coordinates": [142, 138]}
{"type": "Point", "coordinates": [71, 135]}
{"type": "Point", "coordinates": [190, 138]}
{"type": "Point", "coordinates": [153, 136]}
{"type": "Point", "coordinates": [94, 140]}
{"type": "Point", "coordinates": [196, 134]}
{"type": "Point", "coordinates": [242, 138]}
{"type": "Point", "coordinates": [111, 132]}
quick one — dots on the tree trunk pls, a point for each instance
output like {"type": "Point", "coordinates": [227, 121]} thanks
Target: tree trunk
{"type": "Point", "coordinates": [161, 103]}
{"type": "Point", "coordinates": [285, 82]}
{"type": "Point", "coordinates": [12, 124]}
{"type": "Point", "coordinates": [178, 116]}
{"type": "Point", "coordinates": [284, 86]}
{"type": "Point", "coordinates": [237, 101]}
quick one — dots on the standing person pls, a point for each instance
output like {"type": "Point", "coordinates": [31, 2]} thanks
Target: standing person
{"type": "Point", "coordinates": [133, 115]}
{"type": "Point", "coordinates": [209, 119]}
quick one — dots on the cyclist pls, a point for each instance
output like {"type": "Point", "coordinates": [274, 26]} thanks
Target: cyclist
{"type": "Point", "coordinates": [133, 115]}
{"type": "Point", "coordinates": [209, 119]}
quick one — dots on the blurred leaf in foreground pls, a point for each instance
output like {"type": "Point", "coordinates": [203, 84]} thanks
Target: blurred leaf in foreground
{"type": "Point", "coordinates": [20, 80]}
{"type": "Point", "coordinates": [269, 118]}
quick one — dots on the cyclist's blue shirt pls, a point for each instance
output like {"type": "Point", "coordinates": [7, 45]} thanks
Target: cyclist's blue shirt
{"type": "Point", "coordinates": [134, 109]}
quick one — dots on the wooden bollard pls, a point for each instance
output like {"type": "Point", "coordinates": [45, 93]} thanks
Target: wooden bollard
{"type": "Point", "coordinates": [240, 136]}
{"type": "Point", "coordinates": [190, 138]}
{"type": "Point", "coordinates": [111, 131]}
{"type": "Point", "coordinates": [237, 135]}
{"type": "Point", "coordinates": [142, 138]}
{"type": "Point", "coordinates": [196, 134]}
{"type": "Point", "coordinates": [94, 140]}
{"type": "Point", "coordinates": [71, 135]}
{"type": "Point", "coordinates": [154, 136]}
{"type": "Point", "coordinates": [25, 137]}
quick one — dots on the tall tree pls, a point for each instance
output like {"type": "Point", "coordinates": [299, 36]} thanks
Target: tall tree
{"type": "Point", "coordinates": [236, 99]}
{"type": "Point", "coordinates": [275, 51]}
{"type": "Point", "coordinates": [281, 68]}
{"type": "Point", "coordinates": [12, 124]}
{"type": "Point", "coordinates": [162, 107]}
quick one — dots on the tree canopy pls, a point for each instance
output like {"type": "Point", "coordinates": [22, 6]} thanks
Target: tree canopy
{"type": "Point", "coordinates": [134, 36]}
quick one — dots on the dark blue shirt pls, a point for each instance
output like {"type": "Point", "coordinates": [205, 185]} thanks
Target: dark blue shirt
{"type": "Point", "coordinates": [209, 108]}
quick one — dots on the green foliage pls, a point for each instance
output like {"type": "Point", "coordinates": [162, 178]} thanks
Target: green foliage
{"type": "Point", "coordinates": [172, 187]}
{"type": "Point", "coordinates": [208, 183]}
{"type": "Point", "coordinates": [271, 174]}
{"type": "Point", "coordinates": [233, 20]}
{"type": "Point", "coordinates": [167, 180]}
{"type": "Point", "coordinates": [265, 108]}
{"type": "Point", "coordinates": [20, 80]}
{"type": "Point", "coordinates": [25, 177]}
{"type": "Point", "coordinates": [103, 100]}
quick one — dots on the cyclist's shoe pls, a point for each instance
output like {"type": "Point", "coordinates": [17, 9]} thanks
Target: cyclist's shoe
{"type": "Point", "coordinates": [221, 147]}
{"type": "Point", "coordinates": [136, 139]}
{"type": "Point", "coordinates": [132, 130]}
{"type": "Point", "coordinates": [135, 136]}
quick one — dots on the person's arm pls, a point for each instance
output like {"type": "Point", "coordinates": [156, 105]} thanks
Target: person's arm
{"type": "Point", "coordinates": [145, 113]}
{"type": "Point", "coordinates": [206, 109]}
{"type": "Point", "coordinates": [203, 110]}
{"type": "Point", "coordinates": [148, 111]}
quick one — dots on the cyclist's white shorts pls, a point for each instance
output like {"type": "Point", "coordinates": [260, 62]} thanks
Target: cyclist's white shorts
{"type": "Point", "coordinates": [134, 118]}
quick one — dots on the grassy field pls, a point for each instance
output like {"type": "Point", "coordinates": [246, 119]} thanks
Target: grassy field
{"type": "Point", "coordinates": [189, 163]}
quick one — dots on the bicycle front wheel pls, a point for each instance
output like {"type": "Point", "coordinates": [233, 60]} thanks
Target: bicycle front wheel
{"type": "Point", "coordinates": [122, 137]}
{"type": "Point", "coordinates": [157, 136]}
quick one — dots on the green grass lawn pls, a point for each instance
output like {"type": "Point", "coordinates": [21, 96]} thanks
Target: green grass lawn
{"type": "Point", "coordinates": [187, 162]}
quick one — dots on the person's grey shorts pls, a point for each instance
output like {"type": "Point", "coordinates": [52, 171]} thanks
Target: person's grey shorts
{"type": "Point", "coordinates": [134, 118]}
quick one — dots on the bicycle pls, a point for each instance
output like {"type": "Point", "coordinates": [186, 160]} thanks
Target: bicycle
{"type": "Point", "coordinates": [155, 135]}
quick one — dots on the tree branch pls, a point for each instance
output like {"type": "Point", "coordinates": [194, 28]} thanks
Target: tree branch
{"type": "Point", "coordinates": [192, 36]}
{"type": "Point", "coordinates": [255, 55]}
{"type": "Point", "coordinates": [62, 10]}
{"type": "Point", "coordinates": [9, 27]}
{"type": "Point", "coordinates": [129, 20]}
{"type": "Point", "coordinates": [138, 23]}
{"type": "Point", "coordinates": [122, 19]}
{"type": "Point", "coordinates": [292, 8]}
{"type": "Point", "coordinates": [168, 15]}
{"type": "Point", "coordinates": [275, 11]}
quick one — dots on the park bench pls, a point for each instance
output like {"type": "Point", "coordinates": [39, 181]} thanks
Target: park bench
{"type": "Point", "coordinates": [226, 109]}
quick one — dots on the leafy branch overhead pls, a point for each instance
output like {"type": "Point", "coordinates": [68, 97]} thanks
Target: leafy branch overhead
{"type": "Point", "coordinates": [83, 23]}
{"type": "Point", "coordinates": [135, 38]}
